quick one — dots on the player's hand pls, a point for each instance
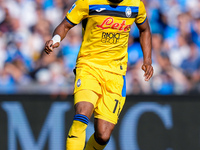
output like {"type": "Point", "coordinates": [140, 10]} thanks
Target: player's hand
{"type": "Point", "coordinates": [148, 71]}
{"type": "Point", "coordinates": [49, 46]}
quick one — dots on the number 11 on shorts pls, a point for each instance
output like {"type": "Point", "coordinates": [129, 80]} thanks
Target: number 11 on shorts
{"type": "Point", "coordinates": [117, 102]}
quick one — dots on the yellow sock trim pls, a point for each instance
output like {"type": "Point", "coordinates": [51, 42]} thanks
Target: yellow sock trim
{"type": "Point", "coordinates": [93, 145]}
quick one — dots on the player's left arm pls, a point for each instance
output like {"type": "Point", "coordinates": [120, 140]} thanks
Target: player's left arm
{"type": "Point", "coordinates": [146, 44]}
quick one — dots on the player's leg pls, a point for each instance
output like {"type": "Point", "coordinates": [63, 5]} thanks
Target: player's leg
{"type": "Point", "coordinates": [107, 111]}
{"type": "Point", "coordinates": [83, 112]}
{"type": "Point", "coordinates": [101, 136]}
{"type": "Point", "coordinates": [105, 120]}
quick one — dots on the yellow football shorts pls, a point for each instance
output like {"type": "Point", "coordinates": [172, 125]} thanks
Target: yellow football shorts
{"type": "Point", "coordinates": [110, 89]}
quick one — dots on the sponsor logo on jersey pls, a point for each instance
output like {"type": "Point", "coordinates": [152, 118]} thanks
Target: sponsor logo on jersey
{"type": "Point", "coordinates": [128, 12]}
{"type": "Point", "coordinates": [109, 23]}
{"type": "Point", "coordinates": [95, 148]}
{"type": "Point", "coordinates": [72, 136]}
{"type": "Point", "coordinates": [101, 9]}
{"type": "Point", "coordinates": [110, 37]}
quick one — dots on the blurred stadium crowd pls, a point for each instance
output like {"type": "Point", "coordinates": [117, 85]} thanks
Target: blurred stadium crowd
{"type": "Point", "coordinates": [25, 25]}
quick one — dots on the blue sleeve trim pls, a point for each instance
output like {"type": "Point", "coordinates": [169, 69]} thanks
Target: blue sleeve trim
{"type": "Point", "coordinates": [70, 21]}
{"type": "Point", "coordinates": [142, 22]}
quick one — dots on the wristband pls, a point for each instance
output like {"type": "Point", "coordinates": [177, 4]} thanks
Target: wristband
{"type": "Point", "coordinates": [56, 38]}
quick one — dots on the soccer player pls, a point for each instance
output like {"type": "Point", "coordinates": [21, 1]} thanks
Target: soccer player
{"type": "Point", "coordinates": [101, 64]}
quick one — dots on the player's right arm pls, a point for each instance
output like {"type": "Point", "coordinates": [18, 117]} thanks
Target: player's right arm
{"type": "Point", "coordinates": [60, 32]}
{"type": "Point", "coordinates": [78, 12]}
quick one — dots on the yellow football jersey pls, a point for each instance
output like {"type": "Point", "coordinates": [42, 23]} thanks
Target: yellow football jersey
{"type": "Point", "coordinates": [106, 28]}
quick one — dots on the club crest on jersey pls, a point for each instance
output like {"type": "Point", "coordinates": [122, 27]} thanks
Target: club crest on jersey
{"type": "Point", "coordinates": [78, 83]}
{"type": "Point", "coordinates": [128, 12]}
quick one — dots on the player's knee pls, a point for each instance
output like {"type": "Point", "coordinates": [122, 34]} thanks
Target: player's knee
{"type": "Point", "coordinates": [84, 108]}
{"type": "Point", "coordinates": [102, 137]}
